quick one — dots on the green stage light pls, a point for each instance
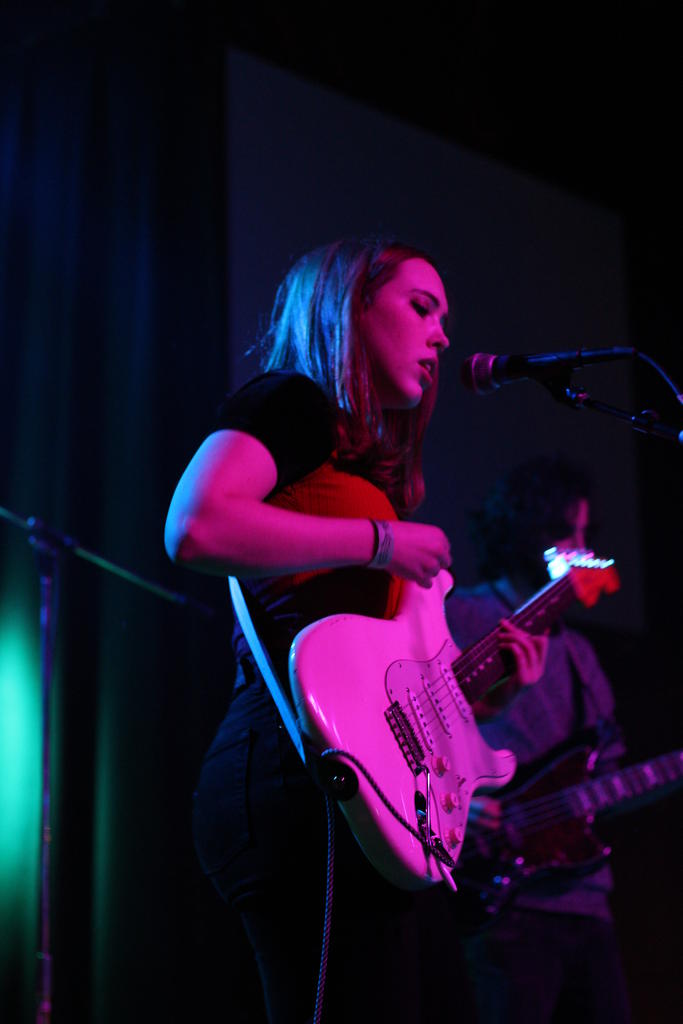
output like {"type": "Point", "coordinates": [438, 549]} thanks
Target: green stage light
{"type": "Point", "coordinates": [20, 745]}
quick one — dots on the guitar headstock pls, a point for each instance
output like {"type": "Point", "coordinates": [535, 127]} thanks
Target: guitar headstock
{"type": "Point", "coordinates": [590, 576]}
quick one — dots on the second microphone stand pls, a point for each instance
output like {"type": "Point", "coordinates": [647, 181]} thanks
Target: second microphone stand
{"type": "Point", "coordinates": [49, 545]}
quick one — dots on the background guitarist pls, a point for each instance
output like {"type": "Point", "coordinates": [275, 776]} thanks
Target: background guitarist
{"type": "Point", "coordinates": [553, 950]}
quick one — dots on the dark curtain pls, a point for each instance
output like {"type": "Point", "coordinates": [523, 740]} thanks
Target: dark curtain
{"type": "Point", "coordinates": [113, 353]}
{"type": "Point", "coordinates": [113, 349]}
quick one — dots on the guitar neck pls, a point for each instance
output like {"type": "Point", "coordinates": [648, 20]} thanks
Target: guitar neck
{"type": "Point", "coordinates": [482, 665]}
{"type": "Point", "coordinates": [545, 827]}
{"type": "Point", "coordinates": [624, 789]}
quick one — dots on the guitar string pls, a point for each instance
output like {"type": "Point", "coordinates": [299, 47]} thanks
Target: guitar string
{"type": "Point", "coordinates": [489, 645]}
{"type": "Point", "coordinates": [534, 815]}
{"type": "Point", "coordinates": [635, 783]}
{"type": "Point", "coordinates": [479, 651]}
{"type": "Point", "coordinates": [498, 840]}
{"type": "Point", "coordinates": [550, 594]}
{"type": "Point", "coordinates": [543, 598]}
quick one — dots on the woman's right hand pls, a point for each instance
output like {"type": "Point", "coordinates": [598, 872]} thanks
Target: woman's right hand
{"type": "Point", "coordinates": [219, 522]}
{"type": "Point", "coordinates": [420, 552]}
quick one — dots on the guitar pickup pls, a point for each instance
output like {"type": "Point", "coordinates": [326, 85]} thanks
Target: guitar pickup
{"type": "Point", "coordinates": [463, 707]}
{"type": "Point", "coordinates": [431, 693]}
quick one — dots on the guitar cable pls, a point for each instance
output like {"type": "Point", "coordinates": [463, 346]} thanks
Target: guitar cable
{"type": "Point", "coordinates": [290, 722]}
{"type": "Point", "coordinates": [327, 917]}
{"type": "Point", "coordinates": [436, 850]}
{"type": "Point", "coordinates": [441, 856]}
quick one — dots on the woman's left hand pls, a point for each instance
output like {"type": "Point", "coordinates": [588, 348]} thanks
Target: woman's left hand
{"type": "Point", "coordinates": [530, 652]}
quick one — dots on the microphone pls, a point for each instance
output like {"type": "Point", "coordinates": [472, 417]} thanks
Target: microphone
{"type": "Point", "coordinates": [484, 373]}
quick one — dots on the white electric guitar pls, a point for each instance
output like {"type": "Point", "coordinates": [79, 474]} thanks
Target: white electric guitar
{"type": "Point", "coordinates": [390, 700]}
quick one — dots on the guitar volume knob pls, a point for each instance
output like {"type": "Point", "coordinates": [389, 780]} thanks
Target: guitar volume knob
{"type": "Point", "coordinates": [453, 837]}
{"type": "Point", "coordinates": [441, 764]}
{"type": "Point", "coordinates": [447, 802]}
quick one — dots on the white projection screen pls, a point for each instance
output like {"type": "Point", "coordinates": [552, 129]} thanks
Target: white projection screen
{"type": "Point", "coordinates": [528, 267]}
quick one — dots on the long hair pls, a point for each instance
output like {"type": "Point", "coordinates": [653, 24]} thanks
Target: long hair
{"type": "Point", "coordinates": [314, 330]}
{"type": "Point", "coordinates": [524, 513]}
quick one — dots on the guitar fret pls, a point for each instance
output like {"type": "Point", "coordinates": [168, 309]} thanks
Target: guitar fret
{"type": "Point", "coordinates": [673, 767]}
{"type": "Point", "coordinates": [534, 616]}
{"type": "Point", "coordinates": [616, 787]}
{"type": "Point", "coordinates": [620, 786]}
{"type": "Point", "coordinates": [636, 780]}
{"type": "Point", "coordinates": [606, 791]}
{"type": "Point", "coordinates": [601, 796]}
{"type": "Point", "coordinates": [530, 835]}
{"type": "Point", "coordinates": [581, 801]}
{"type": "Point", "coordinates": [480, 666]}
{"type": "Point", "coordinates": [540, 617]}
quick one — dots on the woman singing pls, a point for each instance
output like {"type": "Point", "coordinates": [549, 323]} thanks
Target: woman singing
{"type": "Point", "coordinates": [305, 492]}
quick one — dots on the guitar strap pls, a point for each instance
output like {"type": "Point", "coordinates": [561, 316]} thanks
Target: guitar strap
{"type": "Point", "coordinates": [265, 667]}
{"type": "Point", "coordinates": [291, 723]}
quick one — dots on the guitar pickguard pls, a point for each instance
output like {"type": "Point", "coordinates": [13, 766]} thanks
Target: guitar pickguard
{"type": "Point", "coordinates": [436, 717]}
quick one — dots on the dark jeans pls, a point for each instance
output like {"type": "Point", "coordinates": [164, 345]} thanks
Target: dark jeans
{"type": "Point", "coordinates": [533, 967]}
{"type": "Point", "coordinates": [261, 836]}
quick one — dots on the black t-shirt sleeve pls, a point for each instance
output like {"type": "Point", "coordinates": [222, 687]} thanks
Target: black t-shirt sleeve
{"type": "Point", "coordinates": [289, 414]}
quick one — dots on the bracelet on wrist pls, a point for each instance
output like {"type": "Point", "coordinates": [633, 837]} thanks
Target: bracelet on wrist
{"type": "Point", "coordinates": [384, 544]}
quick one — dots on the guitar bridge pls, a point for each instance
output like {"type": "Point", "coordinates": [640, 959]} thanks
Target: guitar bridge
{"type": "Point", "coordinates": [405, 737]}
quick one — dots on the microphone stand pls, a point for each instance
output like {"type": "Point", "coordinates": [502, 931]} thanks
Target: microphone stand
{"type": "Point", "coordinates": [49, 545]}
{"type": "Point", "coordinates": [646, 422]}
